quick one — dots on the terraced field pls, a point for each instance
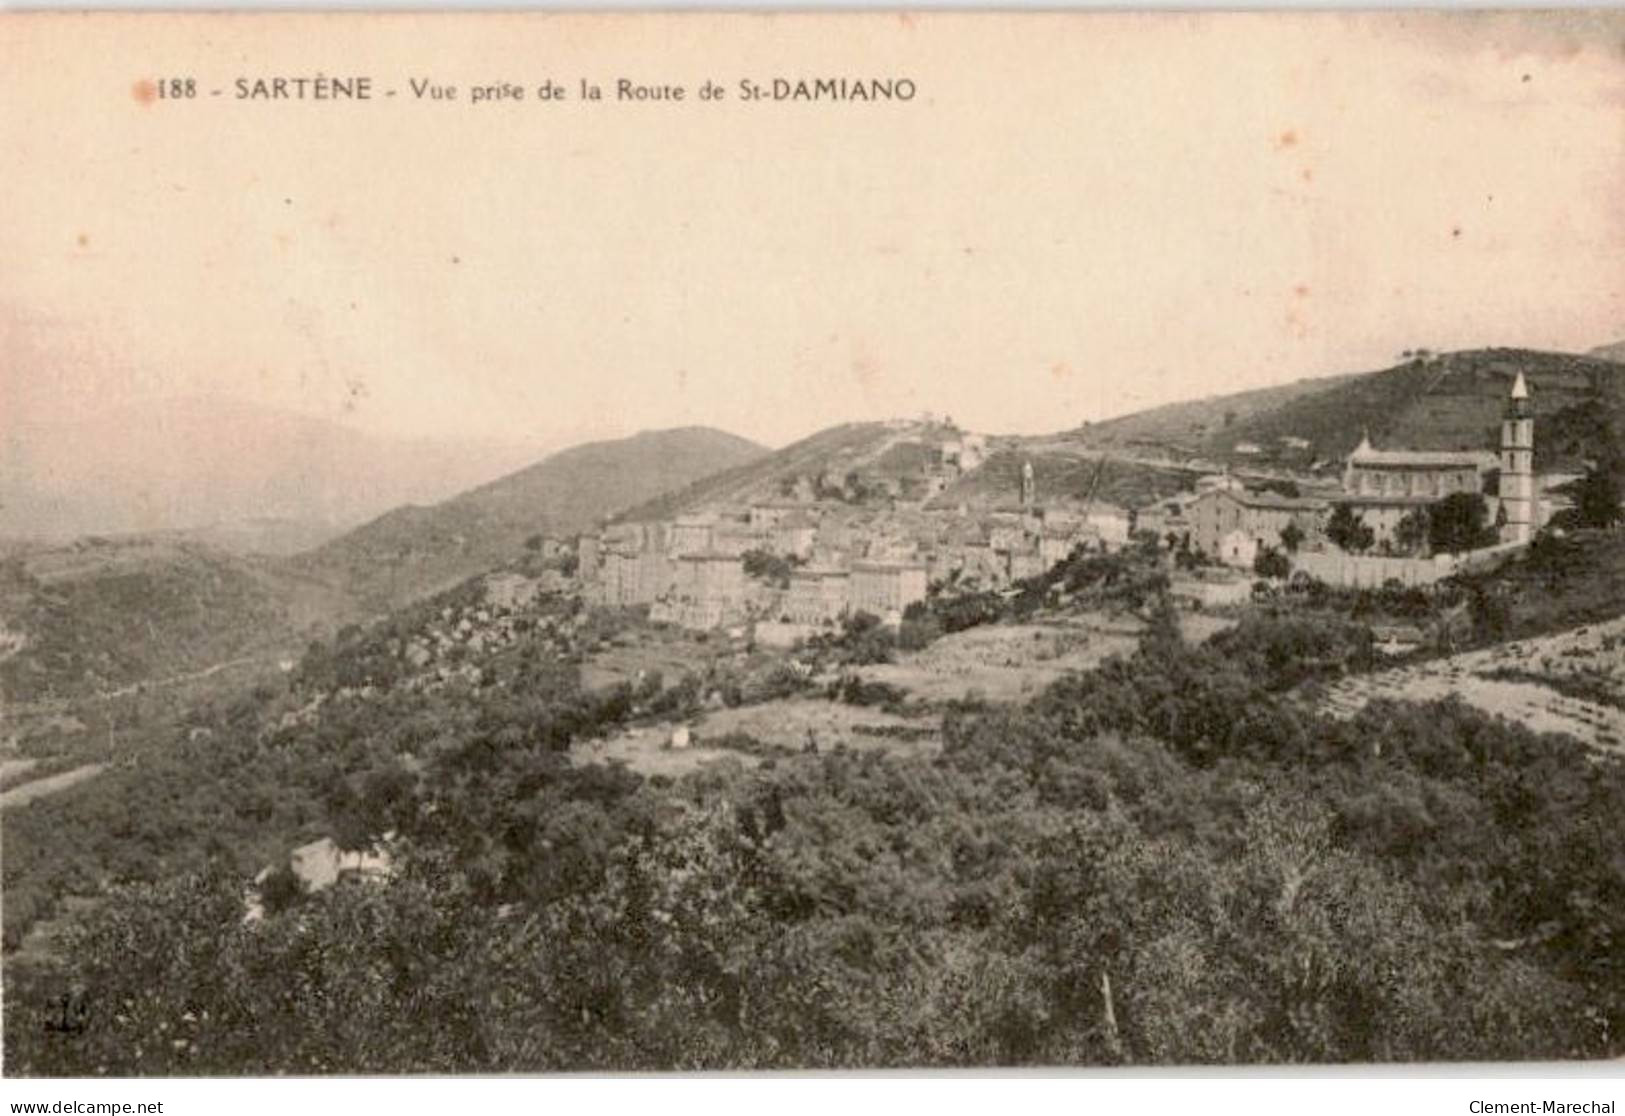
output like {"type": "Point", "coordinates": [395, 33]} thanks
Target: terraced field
{"type": "Point", "coordinates": [1572, 682]}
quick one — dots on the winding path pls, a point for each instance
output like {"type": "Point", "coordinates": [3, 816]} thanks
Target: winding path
{"type": "Point", "coordinates": [51, 784]}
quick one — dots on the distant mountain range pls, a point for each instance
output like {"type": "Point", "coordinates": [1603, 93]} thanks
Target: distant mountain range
{"type": "Point", "coordinates": [232, 473]}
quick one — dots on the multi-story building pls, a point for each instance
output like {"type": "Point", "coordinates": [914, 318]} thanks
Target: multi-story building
{"type": "Point", "coordinates": [691, 534]}
{"type": "Point", "coordinates": [818, 594]}
{"type": "Point", "coordinates": [1025, 563]}
{"type": "Point", "coordinates": [795, 535]}
{"type": "Point", "coordinates": [882, 588]}
{"type": "Point", "coordinates": [1056, 547]}
{"type": "Point", "coordinates": [1166, 517]}
{"type": "Point", "coordinates": [617, 582]}
{"type": "Point", "coordinates": [1260, 516]}
{"type": "Point", "coordinates": [770, 513]}
{"type": "Point", "coordinates": [736, 539]}
{"type": "Point", "coordinates": [708, 589]}
{"type": "Point", "coordinates": [589, 551]}
{"type": "Point", "coordinates": [1110, 523]}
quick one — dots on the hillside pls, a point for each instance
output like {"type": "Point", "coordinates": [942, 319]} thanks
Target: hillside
{"type": "Point", "coordinates": [835, 451]}
{"type": "Point", "coordinates": [812, 827]}
{"type": "Point", "coordinates": [416, 550]}
{"type": "Point", "coordinates": [1196, 422]}
{"type": "Point", "coordinates": [1451, 401]}
{"type": "Point", "coordinates": [1063, 480]}
{"type": "Point", "coordinates": [893, 459]}
{"type": "Point", "coordinates": [102, 615]}
{"type": "Point", "coordinates": [1614, 352]}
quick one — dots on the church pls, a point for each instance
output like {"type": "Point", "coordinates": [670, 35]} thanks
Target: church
{"type": "Point", "coordinates": [1383, 486]}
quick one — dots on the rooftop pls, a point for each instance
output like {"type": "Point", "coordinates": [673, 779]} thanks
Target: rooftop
{"type": "Point", "coordinates": [1365, 454]}
{"type": "Point", "coordinates": [813, 572]}
{"type": "Point", "coordinates": [709, 556]}
{"type": "Point", "coordinates": [1271, 501]}
{"type": "Point", "coordinates": [1360, 500]}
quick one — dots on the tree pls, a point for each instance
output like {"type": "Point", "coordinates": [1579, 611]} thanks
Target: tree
{"type": "Point", "coordinates": [1348, 530]}
{"type": "Point", "coordinates": [766, 566]}
{"type": "Point", "coordinates": [1459, 523]}
{"type": "Point", "coordinates": [1597, 499]}
{"type": "Point", "coordinates": [1412, 530]}
{"type": "Point", "coordinates": [1287, 488]}
{"type": "Point", "coordinates": [854, 488]}
{"type": "Point", "coordinates": [866, 640]}
{"type": "Point", "coordinates": [1272, 563]}
{"type": "Point", "coordinates": [1291, 537]}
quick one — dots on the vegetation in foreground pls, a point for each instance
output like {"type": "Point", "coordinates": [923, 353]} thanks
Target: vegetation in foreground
{"type": "Point", "coordinates": [1166, 860]}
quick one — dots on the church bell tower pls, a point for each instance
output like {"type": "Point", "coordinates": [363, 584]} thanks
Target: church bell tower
{"type": "Point", "coordinates": [1518, 466]}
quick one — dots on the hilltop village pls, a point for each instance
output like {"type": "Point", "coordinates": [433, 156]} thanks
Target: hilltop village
{"type": "Point", "coordinates": [880, 538]}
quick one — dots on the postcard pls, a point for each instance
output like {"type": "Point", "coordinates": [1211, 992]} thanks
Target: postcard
{"type": "Point", "coordinates": [539, 543]}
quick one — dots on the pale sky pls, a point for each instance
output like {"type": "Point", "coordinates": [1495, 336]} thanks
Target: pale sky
{"type": "Point", "coordinates": [1076, 217]}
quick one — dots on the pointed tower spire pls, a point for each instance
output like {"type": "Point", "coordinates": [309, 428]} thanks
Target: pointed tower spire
{"type": "Point", "coordinates": [1519, 500]}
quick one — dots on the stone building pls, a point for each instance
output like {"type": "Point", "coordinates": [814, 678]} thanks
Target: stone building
{"type": "Point", "coordinates": [1168, 516]}
{"type": "Point", "coordinates": [1517, 482]}
{"type": "Point", "coordinates": [818, 594]}
{"type": "Point", "coordinates": [1384, 486]}
{"type": "Point", "coordinates": [737, 539]}
{"type": "Point", "coordinates": [588, 556]}
{"type": "Point", "coordinates": [1110, 523]}
{"type": "Point", "coordinates": [882, 588]}
{"type": "Point", "coordinates": [617, 582]}
{"type": "Point", "coordinates": [1260, 516]}
{"type": "Point", "coordinates": [691, 534]}
{"type": "Point", "coordinates": [1057, 545]}
{"type": "Point", "coordinates": [770, 513]}
{"type": "Point", "coordinates": [708, 589]}
{"type": "Point", "coordinates": [795, 535]}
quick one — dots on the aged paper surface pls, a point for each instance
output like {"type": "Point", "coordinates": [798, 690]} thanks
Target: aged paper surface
{"type": "Point", "coordinates": [921, 540]}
